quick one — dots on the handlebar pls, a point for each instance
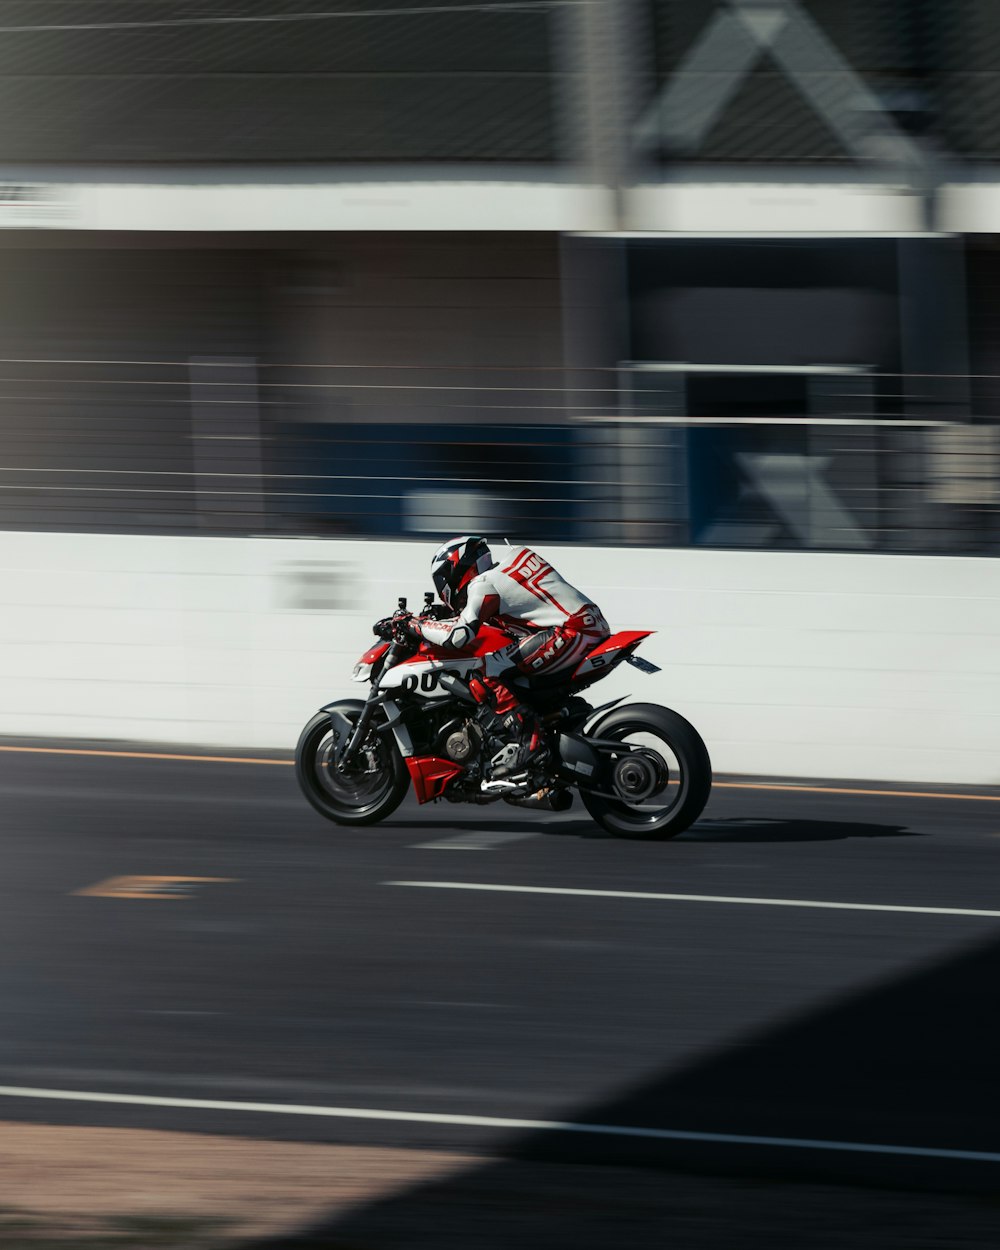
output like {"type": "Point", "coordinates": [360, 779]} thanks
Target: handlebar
{"type": "Point", "coordinates": [388, 627]}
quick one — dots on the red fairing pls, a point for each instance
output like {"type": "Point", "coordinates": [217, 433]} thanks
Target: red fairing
{"type": "Point", "coordinates": [487, 640]}
{"type": "Point", "coordinates": [430, 775]}
{"type": "Point", "coordinates": [490, 639]}
{"type": "Point", "coordinates": [627, 638]}
{"type": "Point", "coordinates": [375, 654]}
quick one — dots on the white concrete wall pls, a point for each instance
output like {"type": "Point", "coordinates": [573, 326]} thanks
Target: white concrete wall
{"type": "Point", "coordinates": [790, 664]}
{"type": "Point", "coordinates": [763, 199]}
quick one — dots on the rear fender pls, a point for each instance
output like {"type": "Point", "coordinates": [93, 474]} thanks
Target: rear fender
{"type": "Point", "coordinates": [579, 719]}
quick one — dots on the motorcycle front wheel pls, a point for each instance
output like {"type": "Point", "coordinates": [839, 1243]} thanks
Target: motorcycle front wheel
{"type": "Point", "coordinates": [366, 793]}
{"type": "Point", "coordinates": [664, 788]}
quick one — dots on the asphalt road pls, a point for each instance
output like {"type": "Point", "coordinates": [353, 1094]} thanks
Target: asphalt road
{"type": "Point", "coordinates": [301, 973]}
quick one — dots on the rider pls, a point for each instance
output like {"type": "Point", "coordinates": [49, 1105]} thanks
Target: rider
{"type": "Point", "coordinates": [555, 626]}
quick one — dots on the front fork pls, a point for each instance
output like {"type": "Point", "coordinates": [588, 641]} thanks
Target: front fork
{"type": "Point", "coordinates": [359, 732]}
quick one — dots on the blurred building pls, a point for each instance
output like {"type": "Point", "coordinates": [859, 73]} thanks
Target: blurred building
{"type": "Point", "coordinates": [613, 271]}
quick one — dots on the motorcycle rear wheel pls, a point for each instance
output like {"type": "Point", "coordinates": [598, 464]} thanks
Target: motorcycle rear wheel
{"type": "Point", "coordinates": [689, 781]}
{"type": "Point", "coordinates": [368, 793]}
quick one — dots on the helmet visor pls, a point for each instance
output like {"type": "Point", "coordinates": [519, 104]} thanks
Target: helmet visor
{"type": "Point", "coordinates": [441, 583]}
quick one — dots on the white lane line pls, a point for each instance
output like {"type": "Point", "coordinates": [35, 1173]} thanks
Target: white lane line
{"type": "Point", "coordinates": [488, 1121]}
{"type": "Point", "coordinates": [481, 840]}
{"type": "Point", "coordinates": [696, 898]}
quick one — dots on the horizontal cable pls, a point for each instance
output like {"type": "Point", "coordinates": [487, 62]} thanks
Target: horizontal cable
{"type": "Point", "coordinates": [630, 368]}
{"type": "Point", "coordinates": [315, 477]}
{"type": "Point", "coordinates": [178, 490]}
{"type": "Point", "coordinates": [485, 6]}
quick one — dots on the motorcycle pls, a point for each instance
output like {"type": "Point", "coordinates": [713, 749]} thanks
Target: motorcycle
{"type": "Point", "coordinates": [642, 771]}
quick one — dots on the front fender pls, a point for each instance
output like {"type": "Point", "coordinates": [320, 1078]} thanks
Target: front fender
{"type": "Point", "coordinates": [351, 705]}
{"type": "Point", "coordinates": [339, 723]}
{"type": "Point", "coordinates": [337, 713]}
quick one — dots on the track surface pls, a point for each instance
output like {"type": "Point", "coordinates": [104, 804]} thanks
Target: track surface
{"type": "Point", "coordinates": [303, 977]}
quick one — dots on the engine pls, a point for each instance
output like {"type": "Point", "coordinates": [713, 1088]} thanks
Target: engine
{"type": "Point", "coordinates": [461, 741]}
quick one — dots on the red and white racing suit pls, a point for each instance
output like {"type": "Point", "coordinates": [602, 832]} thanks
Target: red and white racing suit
{"type": "Point", "coordinates": [554, 624]}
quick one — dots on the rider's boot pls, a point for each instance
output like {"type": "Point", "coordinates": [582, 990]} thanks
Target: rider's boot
{"type": "Point", "coordinates": [510, 722]}
{"type": "Point", "coordinates": [523, 748]}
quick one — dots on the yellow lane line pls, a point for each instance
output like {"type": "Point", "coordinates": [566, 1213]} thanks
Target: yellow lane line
{"type": "Point", "coordinates": [146, 755]}
{"type": "Point", "coordinates": [887, 794]}
{"type": "Point", "coordinates": [146, 887]}
{"type": "Point", "coordinates": [790, 787]}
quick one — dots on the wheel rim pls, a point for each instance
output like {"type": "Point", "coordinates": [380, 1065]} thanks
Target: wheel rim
{"type": "Point", "coordinates": [360, 788]}
{"type": "Point", "coordinates": [657, 771]}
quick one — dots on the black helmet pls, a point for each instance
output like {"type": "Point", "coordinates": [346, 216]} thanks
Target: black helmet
{"type": "Point", "coordinates": [456, 563]}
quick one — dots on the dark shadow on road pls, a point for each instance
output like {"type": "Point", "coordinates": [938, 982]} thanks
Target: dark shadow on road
{"type": "Point", "coordinates": [708, 830]}
{"type": "Point", "coordinates": [516, 822]}
{"type": "Point", "coordinates": [912, 1062]}
{"type": "Point", "coordinates": [522, 1206]}
{"type": "Point", "coordinates": [782, 830]}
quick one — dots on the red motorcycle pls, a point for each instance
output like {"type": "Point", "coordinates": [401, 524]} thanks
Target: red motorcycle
{"type": "Point", "coordinates": [641, 770]}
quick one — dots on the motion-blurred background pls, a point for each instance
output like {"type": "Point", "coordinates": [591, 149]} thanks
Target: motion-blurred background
{"type": "Point", "coordinates": [674, 278]}
{"type": "Point", "coordinates": [702, 299]}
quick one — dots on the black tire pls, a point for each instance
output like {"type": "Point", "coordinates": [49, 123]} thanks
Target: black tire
{"type": "Point", "coordinates": [689, 789]}
{"type": "Point", "coordinates": [372, 796]}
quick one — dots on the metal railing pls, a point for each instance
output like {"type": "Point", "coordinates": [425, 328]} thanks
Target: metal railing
{"type": "Point", "coordinates": [227, 446]}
